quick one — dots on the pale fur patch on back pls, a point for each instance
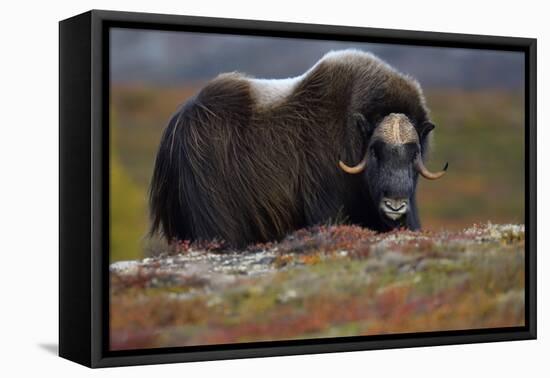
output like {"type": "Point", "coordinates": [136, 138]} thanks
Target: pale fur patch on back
{"type": "Point", "coordinates": [270, 92]}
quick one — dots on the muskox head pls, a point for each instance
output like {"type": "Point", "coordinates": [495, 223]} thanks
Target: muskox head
{"type": "Point", "coordinates": [390, 167]}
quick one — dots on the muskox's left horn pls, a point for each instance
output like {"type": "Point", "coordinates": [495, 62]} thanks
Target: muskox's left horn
{"type": "Point", "coordinates": [421, 168]}
{"type": "Point", "coordinates": [355, 169]}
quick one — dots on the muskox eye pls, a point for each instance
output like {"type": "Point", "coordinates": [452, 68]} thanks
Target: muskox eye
{"type": "Point", "coordinates": [373, 153]}
{"type": "Point", "coordinates": [376, 150]}
{"type": "Point", "coordinates": [413, 150]}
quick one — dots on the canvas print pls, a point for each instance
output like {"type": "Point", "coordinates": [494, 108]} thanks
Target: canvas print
{"type": "Point", "coordinates": [273, 189]}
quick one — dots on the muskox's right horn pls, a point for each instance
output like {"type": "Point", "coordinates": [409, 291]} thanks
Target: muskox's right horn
{"type": "Point", "coordinates": [355, 169]}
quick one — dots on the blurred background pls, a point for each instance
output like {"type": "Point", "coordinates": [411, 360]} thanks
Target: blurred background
{"type": "Point", "coordinates": [476, 99]}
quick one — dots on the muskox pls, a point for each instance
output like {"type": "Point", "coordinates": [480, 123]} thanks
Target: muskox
{"type": "Point", "coordinates": [249, 160]}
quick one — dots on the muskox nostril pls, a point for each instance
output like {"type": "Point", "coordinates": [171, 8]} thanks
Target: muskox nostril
{"type": "Point", "coordinates": [394, 205]}
{"type": "Point", "coordinates": [400, 207]}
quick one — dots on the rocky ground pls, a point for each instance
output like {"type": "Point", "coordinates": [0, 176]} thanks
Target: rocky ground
{"type": "Point", "coordinates": [322, 282]}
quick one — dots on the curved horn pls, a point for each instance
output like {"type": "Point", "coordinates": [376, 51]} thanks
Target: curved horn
{"type": "Point", "coordinates": [355, 169]}
{"type": "Point", "coordinates": [419, 164]}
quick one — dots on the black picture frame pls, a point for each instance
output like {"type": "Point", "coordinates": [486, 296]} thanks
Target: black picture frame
{"type": "Point", "coordinates": [84, 179]}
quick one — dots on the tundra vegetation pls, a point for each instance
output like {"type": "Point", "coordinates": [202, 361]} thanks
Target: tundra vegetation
{"type": "Point", "coordinates": [327, 281]}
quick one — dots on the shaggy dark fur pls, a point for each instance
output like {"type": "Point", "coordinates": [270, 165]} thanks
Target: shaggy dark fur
{"type": "Point", "coordinates": [229, 169]}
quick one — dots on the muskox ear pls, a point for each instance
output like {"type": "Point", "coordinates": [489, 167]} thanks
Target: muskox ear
{"type": "Point", "coordinates": [424, 129]}
{"type": "Point", "coordinates": [357, 132]}
{"type": "Point", "coordinates": [358, 120]}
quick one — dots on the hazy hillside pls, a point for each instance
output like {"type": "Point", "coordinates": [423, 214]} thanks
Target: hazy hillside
{"type": "Point", "coordinates": [161, 58]}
